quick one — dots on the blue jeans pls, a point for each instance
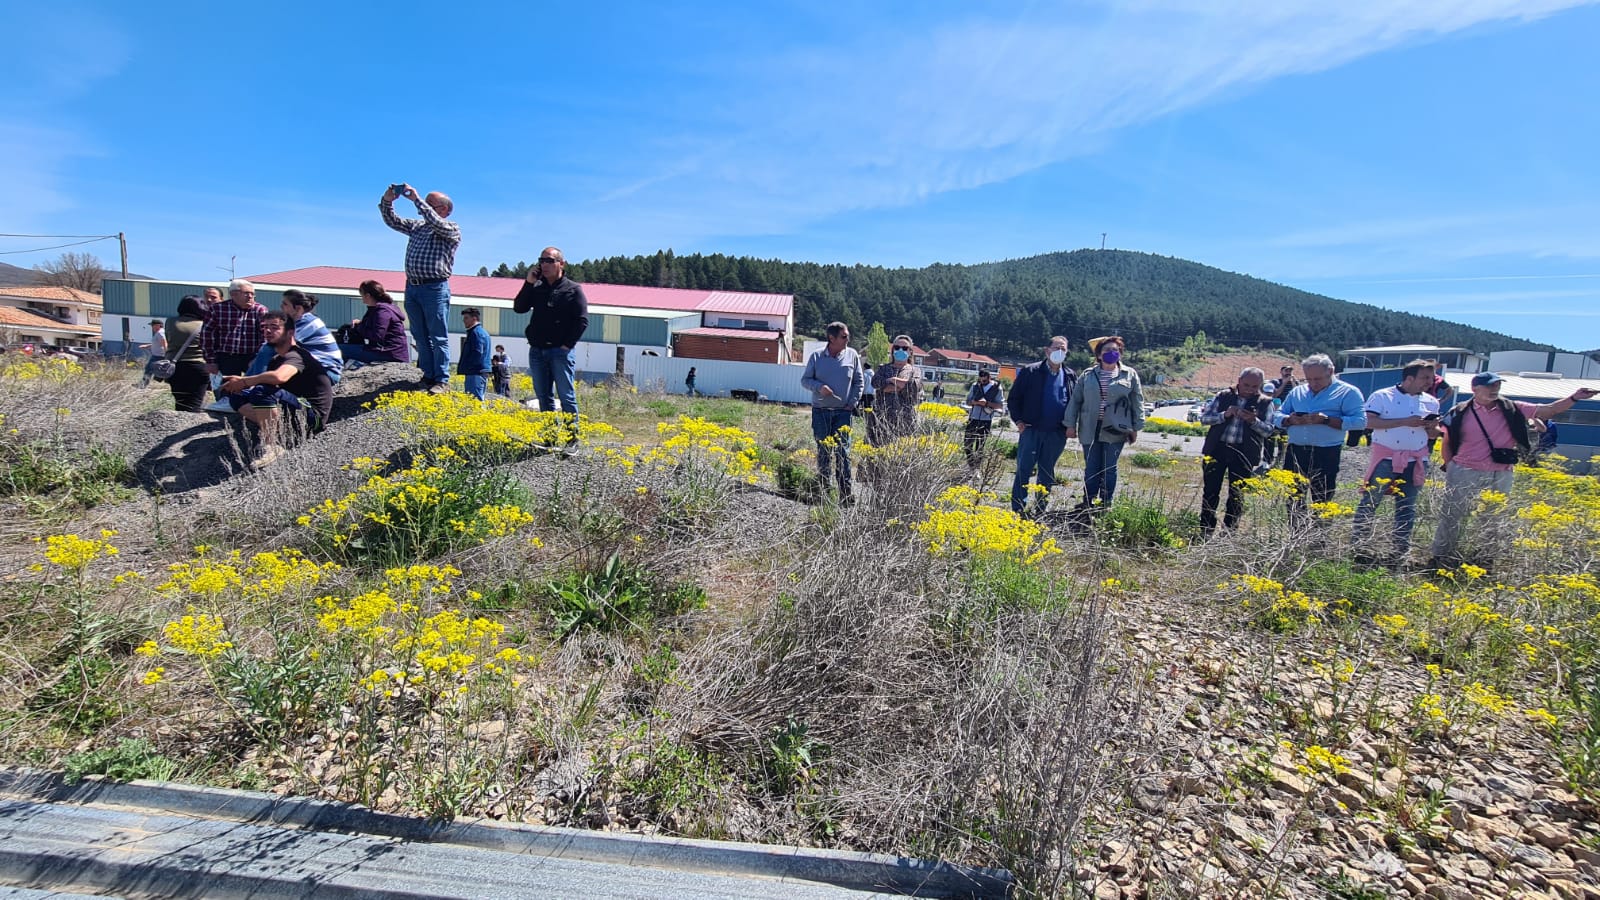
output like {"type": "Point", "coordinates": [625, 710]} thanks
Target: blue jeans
{"type": "Point", "coordinates": [1100, 470]}
{"type": "Point", "coordinates": [428, 309]}
{"type": "Point", "coordinates": [552, 369]}
{"type": "Point", "coordinates": [825, 424]}
{"type": "Point", "coordinates": [363, 354]}
{"type": "Point", "coordinates": [476, 385]}
{"type": "Point", "coordinates": [1036, 448]}
{"type": "Point", "coordinates": [1404, 487]}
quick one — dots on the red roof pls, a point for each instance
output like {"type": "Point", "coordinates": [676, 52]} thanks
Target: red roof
{"type": "Point", "coordinates": [963, 355]}
{"type": "Point", "coordinates": [12, 317]}
{"type": "Point", "coordinates": [506, 289]}
{"type": "Point", "coordinates": [743, 333]}
{"type": "Point", "coordinates": [49, 292]}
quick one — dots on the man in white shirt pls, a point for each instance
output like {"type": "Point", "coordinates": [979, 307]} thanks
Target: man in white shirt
{"type": "Point", "coordinates": [1402, 419]}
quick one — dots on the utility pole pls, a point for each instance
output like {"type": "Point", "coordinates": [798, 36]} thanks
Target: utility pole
{"type": "Point", "coordinates": [1102, 240]}
{"type": "Point", "coordinates": [122, 241]}
{"type": "Point", "coordinates": [231, 261]}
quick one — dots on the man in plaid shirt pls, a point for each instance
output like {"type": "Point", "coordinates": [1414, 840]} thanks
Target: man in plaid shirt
{"type": "Point", "coordinates": [232, 332]}
{"type": "Point", "coordinates": [430, 256]}
{"type": "Point", "coordinates": [1239, 426]}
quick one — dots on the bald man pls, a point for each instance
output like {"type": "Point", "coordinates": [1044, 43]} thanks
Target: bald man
{"type": "Point", "coordinates": [430, 256]}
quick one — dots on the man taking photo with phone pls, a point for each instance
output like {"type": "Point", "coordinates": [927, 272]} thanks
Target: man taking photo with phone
{"type": "Point", "coordinates": [430, 257]}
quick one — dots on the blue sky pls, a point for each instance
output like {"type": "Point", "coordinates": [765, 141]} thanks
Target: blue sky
{"type": "Point", "coordinates": [1436, 156]}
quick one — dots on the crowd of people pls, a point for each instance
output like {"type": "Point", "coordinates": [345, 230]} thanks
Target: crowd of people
{"type": "Point", "coordinates": [262, 362]}
{"type": "Point", "coordinates": [259, 363]}
{"type": "Point", "coordinates": [1303, 423]}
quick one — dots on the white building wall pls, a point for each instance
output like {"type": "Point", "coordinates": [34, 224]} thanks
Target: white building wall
{"type": "Point", "coordinates": [716, 378]}
{"type": "Point", "coordinates": [1569, 365]}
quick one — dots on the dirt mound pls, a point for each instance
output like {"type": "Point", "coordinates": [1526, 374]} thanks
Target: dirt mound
{"type": "Point", "coordinates": [174, 452]}
{"type": "Point", "coordinates": [1218, 372]}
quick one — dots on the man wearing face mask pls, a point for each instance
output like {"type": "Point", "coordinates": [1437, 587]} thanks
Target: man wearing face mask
{"type": "Point", "coordinates": [1038, 402]}
{"type": "Point", "coordinates": [898, 388]}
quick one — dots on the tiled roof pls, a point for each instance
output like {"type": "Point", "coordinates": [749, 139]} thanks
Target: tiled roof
{"type": "Point", "coordinates": [739, 333]}
{"type": "Point", "coordinates": [506, 288]}
{"type": "Point", "coordinates": [12, 317]}
{"type": "Point", "coordinates": [47, 292]}
{"type": "Point", "coordinates": [963, 355]}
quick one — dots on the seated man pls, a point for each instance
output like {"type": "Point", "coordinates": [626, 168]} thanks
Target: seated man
{"type": "Point", "coordinates": [293, 379]}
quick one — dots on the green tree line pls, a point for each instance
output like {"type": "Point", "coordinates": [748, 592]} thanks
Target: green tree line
{"type": "Point", "coordinates": [1011, 308]}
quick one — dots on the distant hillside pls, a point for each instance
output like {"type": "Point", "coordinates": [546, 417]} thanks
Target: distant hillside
{"type": "Point", "coordinates": [1011, 308]}
{"type": "Point", "coordinates": [14, 275]}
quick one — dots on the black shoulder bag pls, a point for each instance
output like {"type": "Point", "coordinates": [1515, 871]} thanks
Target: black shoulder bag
{"type": "Point", "coordinates": [1503, 456]}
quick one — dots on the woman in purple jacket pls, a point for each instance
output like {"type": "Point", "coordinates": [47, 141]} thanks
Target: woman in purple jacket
{"type": "Point", "coordinates": [382, 330]}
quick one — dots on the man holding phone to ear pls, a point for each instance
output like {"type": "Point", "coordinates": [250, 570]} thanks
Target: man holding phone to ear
{"type": "Point", "coordinates": [1402, 418]}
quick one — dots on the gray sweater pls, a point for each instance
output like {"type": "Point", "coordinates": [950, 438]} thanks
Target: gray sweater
{"type": "Point", "coordinates": [842, 374]}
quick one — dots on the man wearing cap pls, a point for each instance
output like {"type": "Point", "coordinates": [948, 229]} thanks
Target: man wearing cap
{"type": "Point", "coordinates": [1401, 418]}
{"type": "Point", "coordinates": [157, 346]}
{"type": "Point", "coordinates": [1483, 437]}
{"type": "Point", "coordinates": [983, 401]}
{"type": "Point", "coordinates": [1038, 404]}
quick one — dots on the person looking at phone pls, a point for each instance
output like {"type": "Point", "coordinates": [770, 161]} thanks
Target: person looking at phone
{"type": "Point", "coordinates": [1317, 413]}
{"type": "Point", "coordinates": [1484, 436]}
{"type": "Point", "coordinates": [430, 255]}
{"type": "Point", "coordinates": [1401, 418]}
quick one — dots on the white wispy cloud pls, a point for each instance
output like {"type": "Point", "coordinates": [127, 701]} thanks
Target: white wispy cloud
{"type": "Point", "coordinates": [893, 117]}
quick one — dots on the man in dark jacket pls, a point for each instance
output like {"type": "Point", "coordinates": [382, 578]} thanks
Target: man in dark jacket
{"type": "Point", "coordinates": [560, 315]}
{"type": "Point", "coordinates": [474, 366]}
{"type": "Point", "coordinates": [1038, 401]}
{"type": "Point", "coordinates": [1240, 423]}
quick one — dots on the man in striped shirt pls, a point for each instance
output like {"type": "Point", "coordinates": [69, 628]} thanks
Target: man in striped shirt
{"type": "Point", "coordinates": [430, 256]}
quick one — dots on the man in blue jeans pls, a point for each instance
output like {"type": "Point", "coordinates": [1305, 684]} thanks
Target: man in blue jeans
{"type": "Point", "coordinates": [834, 378]}
{"type": "Point", "coordinates": [1038, 401]}
{"type": "Point", "coordinates": [475, 366]}
{"type": "Point", "coordinates": [558, 317]}
{"type": "Point", "coordinates": [430, 257]}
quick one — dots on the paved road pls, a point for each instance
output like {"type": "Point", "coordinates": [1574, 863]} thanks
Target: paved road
{"type": "Point", "coordinates": [48, 845]}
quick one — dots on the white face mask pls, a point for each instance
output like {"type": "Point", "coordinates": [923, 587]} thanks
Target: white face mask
{"type": "Point", "coordinates": [1057, 357]}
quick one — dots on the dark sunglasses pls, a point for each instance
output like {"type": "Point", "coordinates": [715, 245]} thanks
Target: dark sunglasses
{"type": "Point", "coordinates": [547, 259]}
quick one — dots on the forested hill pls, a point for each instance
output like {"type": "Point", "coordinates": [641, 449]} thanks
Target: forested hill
{"type": "Point", "coordinates": [1011, 308]}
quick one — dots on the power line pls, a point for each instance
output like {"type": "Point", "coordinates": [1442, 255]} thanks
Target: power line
{"type": "Point", "coordinates": [61, 236]}
{"type": "Point", "coordinates": [109, 237]}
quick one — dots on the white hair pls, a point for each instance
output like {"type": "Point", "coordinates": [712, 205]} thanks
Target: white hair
{"type": "Point", "coordinates": [239, 284]}
{"type": "Point", "coordinates": [1252, 370]}
{"type": "Point", "coordinates": [1320, 360]}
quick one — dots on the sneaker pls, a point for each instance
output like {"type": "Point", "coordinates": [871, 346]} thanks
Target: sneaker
{"type": "Point", "coordinates": [270, 454]}
{"type": "Point", "coordinates": [438, 387]}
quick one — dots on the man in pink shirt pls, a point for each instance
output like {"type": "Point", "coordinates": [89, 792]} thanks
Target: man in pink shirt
{"type": "Point", "coordinates": [1482, 440]}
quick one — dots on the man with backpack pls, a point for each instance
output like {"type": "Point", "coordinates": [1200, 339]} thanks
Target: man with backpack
{"type": "Point", "coordinates": [1484, 436]}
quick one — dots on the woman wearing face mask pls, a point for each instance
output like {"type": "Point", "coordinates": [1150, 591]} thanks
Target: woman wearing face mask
{"type": "Point", "coordinates": [898, 388]}
{"type": "Point", "coordinates": [1105, 413]}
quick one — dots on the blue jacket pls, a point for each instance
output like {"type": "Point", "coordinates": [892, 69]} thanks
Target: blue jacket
{"type": "Point", "coordinates": [1026, 402]}
{"type": "Point", "coordinates": [475, 352]}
